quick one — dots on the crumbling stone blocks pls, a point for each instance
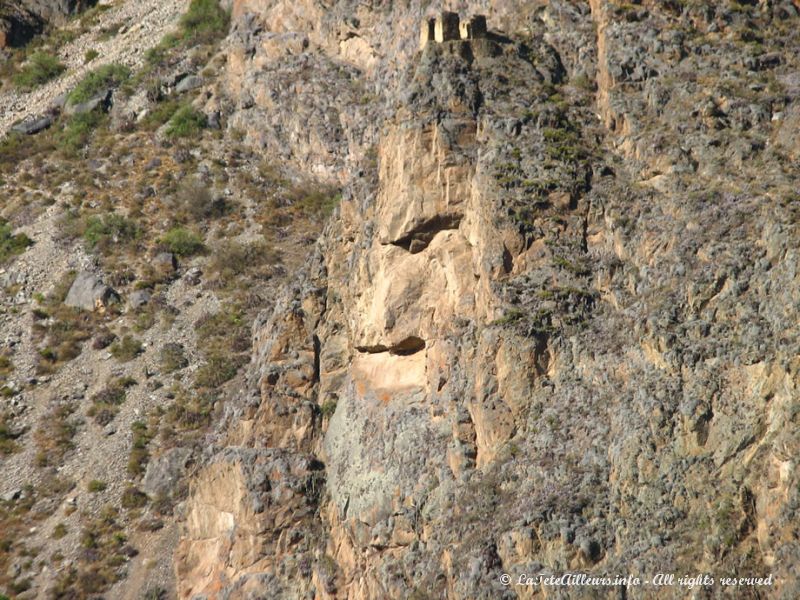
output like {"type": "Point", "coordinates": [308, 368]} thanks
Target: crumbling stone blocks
{"type": "Point", "coordinates": [446, 27]}
{"type": "Point", "coordinates": [473, 28]}
{"type": "Point", "coordinates": [427, 32]}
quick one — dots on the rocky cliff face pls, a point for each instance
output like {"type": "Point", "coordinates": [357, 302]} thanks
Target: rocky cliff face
{"type": "Point", "coordinates": [21, 19]}
{"type": "Point", "coordinates": [553, 323]}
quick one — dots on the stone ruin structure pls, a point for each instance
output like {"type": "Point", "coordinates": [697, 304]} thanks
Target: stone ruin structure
{"type": "Point", "coordinates": [447, 27]}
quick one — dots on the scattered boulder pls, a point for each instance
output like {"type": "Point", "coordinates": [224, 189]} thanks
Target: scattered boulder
{"type": "Point", "coordinates": [165, 261]}
{"type": "Point", "coordinates": [193, 275]}
{"type": "Point", "coordinates": [33, 126]}
{"type": "Point", "coordinates": [11, 495]}
{"type": "Point", "coordinates": [187, 84]}
{"type": "Point", "coordinates": [139, 298]}
{"type": "Point", "coordinates": [88, 292]}
{"type": "Point", "coordinates": [164, 472]}
{"type": "Point", "coordinates": [59, 102]}
{"type": "Point", "coordinates": [102, 101]}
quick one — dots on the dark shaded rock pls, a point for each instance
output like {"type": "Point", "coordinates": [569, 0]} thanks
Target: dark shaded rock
{"type": "Point", "coordinates": [165, 261]}
{"type": "Point", "coordinates": [139, 298]}
{"type": "Point", "coordinates": [33, 126]}
{"type": "Point", "coordinates": [88, 292]}
{"type": "Point", "coordinates": [187, 84]}
{"type": "Point", "coordinates": [102, 101]}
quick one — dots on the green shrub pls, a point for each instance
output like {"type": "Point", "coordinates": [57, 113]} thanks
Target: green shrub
{"type": "Point", "coordinates": [233, 258]}
{"type": "Point", "coordinates": [172, 358]}
{"type": "Point", "coordinates": [59, 531]}
{"type": "Point", "coordinates": [312, 200]}
{"type": "Point", "coordinates": [183, 242]}
{"type": "Point", "coordinates": [77, 131]}
{"type": "Point", "coordinates": [218, 369]}
{"type": "Point", "coordinates": [160, 114]}
{"type": "Point", "coordinates": [328, 408]}
{"type": "Point", "coordinates": [192, 411]}
{"type": "Point", "coordinates": [105, 403]}
{"type": "Point", "coordinates": [186, 122]}
{"type": "Point", "coordinates": [11, 245]}
{"type": "Point", "coordinates": [107, 76]}
{"type": "Point", "coordinates": [90, 55]}
{"type": "Point", "coordinates": [40, 68]}
{"type": "Point", "coordinates": [204, 22]}
{"type": "Point", "coordinates": [7, 437]}
{"type": "Point", "coordinates": [133, 498]}
{"type": "Point", "coordinates": [100, 230]}
{"type": "Point", "coordinates": [126, 349]}
{"type": "Point", "coordinates": [95, 485]}
{"type": "Point", "coordinates": [158, 53]}
{"type": "Point", "coordinates": [139, 455]}
{"type": "Point", "coordinates": [196, 202]}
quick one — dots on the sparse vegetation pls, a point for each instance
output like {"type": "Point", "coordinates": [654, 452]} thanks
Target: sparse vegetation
{"type": "Point", "coordinates": [231, 259]}
{"type": "Point", "coordinates": [172, 357]}
{"type": "Point", "coordinates": [59, 531]}
{"type": "Point", "coordinates": [133, 498]}
{"type": "Point", "coordinates": [218, 369]}
{"type": "Point", "coordinates": [204, 22]}
{"type": "Point", "coordinates": [126, 349]}
{"type": "Point", "coordinates": [106, 402]}
{"type": "Point", "coordinates": [328, 408]}
{"type": "Point", "coordinates": [102, 78]}
{"type": "Point", "coordinates": [11, 244]}
{"type": "Point", "coordinates": [160, 114]}
{"type": "Point", "coordinates": [195, 202]}
{"type": "Point", "coordinates": [95, 486]}
{"type": "Point", "coordinates": [183, 242]}
{"type": "Point", "coordinates": [102, 231]}
{"type": "Point", "coordinates": [40, 68]}
{"type": "Point", "coordinates": [8, 437]}
{"type": "Point", "coordinates": [62, 329]}
{"type": "Point", "coordinates": [105, 550]}
{"type": "Point", "coordinates": [191, 410]}
{"type": "Point", "coordinates": [139, 456]}
{"type": "Point", "coordinates": [186, 122]}
{"type": "Point", "coordinates": [78, 130]}
{"type": "Point", "coordinates": [54, 436]}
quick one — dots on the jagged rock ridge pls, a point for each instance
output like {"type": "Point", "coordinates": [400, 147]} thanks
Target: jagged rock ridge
{"type": "Point", "coordinates": [552, 325]}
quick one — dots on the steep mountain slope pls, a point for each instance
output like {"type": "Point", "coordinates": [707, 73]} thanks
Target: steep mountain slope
{"type": "Point", "coordinates": [138, 239]}
{"type": "Point", "coordinates": [552, 327]}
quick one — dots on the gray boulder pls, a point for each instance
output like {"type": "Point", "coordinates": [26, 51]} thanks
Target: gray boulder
{"type": "Point", "coordinates": [139, 298]}
{"type": "Point", "coordinates": [33, 126]}
{"type": "Point", "coordinates": [164, 472]}
{"type": "Point", "coordinates": [165, 261]}
{"type": "Point", "coordinates": [187, 84]}
{"type": "Point", "coordinates": [88, 292]}
{"type": "Point", "coordinates": [100, 101]}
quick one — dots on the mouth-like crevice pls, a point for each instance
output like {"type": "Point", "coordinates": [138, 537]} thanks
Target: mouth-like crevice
{"type": "Point", "coordinates": [418, 238]}
{"type": "Point", "coordinates": [410, 345]}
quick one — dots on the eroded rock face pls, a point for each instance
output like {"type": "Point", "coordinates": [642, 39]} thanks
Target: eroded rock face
{"type": "Point", "coordinates": [252, 512]}
{"type": "Point", "coordinates": [22, 19]}
{"type": "Point", "coordinates": [529, 340]}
